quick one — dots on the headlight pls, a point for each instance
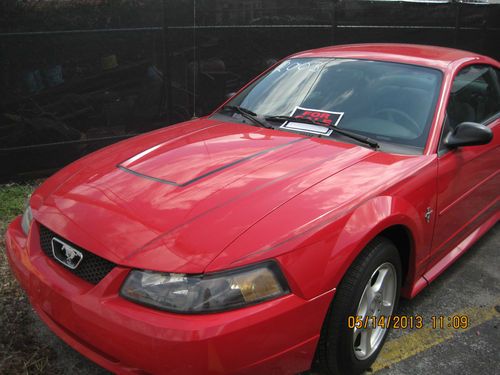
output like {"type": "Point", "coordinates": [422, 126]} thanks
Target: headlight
{"type": "Point", "coordinates": [205, 293]}
{"type": "Point", "coordinates": [27, 219]}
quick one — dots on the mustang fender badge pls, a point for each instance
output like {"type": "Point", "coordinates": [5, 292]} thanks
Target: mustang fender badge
{"type": "Point", "coordinates": [428, 214]}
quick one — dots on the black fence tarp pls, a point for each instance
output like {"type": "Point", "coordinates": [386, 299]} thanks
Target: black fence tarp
{"type": "Point", "coordinates": [78, 75]}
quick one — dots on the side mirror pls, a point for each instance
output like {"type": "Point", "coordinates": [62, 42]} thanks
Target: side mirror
{"type": "Point", "coordinates": [468, 134]}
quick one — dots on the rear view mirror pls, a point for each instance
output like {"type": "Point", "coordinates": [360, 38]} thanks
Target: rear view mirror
{"type": "Point", "coordinates": [468, 134]}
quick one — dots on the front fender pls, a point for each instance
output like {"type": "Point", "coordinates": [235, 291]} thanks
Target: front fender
{"type": "Point", "coordinates": [324, 251]}
{"type": "Point", "coordinates": [369, 220]}
{"type": "Point", "coordinates": [317, 235]}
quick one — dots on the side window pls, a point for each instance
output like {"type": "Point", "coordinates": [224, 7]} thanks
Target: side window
{"type": "Point", "coordinates": [475, 97]}
{"type": "Point", "coordinates": [496, 74]}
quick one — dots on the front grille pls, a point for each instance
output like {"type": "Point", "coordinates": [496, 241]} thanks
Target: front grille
{"type": "Point", "coordinates": [92, 268]}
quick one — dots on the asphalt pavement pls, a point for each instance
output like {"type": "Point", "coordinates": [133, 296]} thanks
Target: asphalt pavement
{"type": "Point", "coordinates": [470, 287]}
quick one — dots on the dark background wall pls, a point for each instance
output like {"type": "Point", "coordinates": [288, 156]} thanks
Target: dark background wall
{"type": "Point", "coordinates": [78, 75]}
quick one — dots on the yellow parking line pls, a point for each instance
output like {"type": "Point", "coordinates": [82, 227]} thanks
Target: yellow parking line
{"type": "Point", "coordinates": [425, 338]}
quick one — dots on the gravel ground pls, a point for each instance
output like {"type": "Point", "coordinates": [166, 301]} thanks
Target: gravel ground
{"type": "Point", "coordinates": [26, 344]}
{"type": "Point", "coordinates": [21, 351]}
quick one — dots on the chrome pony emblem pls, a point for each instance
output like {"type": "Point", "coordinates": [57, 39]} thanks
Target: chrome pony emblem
{"type": "Point", "coordinates": [428, 214]}
{"type": "Point", "coordinates": [66, 254]}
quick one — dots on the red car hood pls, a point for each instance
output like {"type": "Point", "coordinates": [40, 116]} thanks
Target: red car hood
{"type": "Point", "coordinates": [173, 199]}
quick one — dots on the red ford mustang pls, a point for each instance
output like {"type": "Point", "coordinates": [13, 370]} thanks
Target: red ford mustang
{"type": "Point", "coordinates": [245, 242]}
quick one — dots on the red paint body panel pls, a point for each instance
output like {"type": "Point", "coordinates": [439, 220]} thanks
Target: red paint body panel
{"type": "Point", "coordinates": [431, 56]}
{"type": "Point", "coordinates": [206, 195]}
{"type": "Point", "coordinates": [468, 184]}
{"type": "Point", "coordinates": [98, 323]}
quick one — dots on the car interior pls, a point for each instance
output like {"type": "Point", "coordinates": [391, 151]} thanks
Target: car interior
{"type": "Point", "coordinates": [396, 104]}
{"type": "Point", "coordinates": [474, 98]}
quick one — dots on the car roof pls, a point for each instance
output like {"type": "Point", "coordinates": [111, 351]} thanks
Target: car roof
{"type": "Point", "coordinates": [431, 56]}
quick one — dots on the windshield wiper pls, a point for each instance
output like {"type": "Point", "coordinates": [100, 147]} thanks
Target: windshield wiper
{"type": "Point", "coordinates": [248, 114]}
{"type": "Point", "coordinates": [360, 138]}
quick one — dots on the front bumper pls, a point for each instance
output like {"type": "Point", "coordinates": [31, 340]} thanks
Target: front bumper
{"type": "Point", "coordinates": [275, 337]}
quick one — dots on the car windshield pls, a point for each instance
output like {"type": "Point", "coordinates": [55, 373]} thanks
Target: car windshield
{"type": "Point", "coordinates": [390, 102]}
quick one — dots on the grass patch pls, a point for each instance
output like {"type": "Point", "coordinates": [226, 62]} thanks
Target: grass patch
{"type": "Point", "coordinates": [20, 352]}
{"type": "Point", "coordinates": [12, 199]}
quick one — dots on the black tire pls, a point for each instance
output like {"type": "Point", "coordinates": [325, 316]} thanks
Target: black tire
{"type": "Point", "coordinates": [335, 352]}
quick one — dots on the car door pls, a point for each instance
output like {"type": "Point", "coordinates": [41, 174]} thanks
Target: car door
{"type": "Point", "coordinates": [468, 178]}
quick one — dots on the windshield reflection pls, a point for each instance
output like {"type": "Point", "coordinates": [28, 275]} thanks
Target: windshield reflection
{"type": "Point", "coordinates": [390, 102]}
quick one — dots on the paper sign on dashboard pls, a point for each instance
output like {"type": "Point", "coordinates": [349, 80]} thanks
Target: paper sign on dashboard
{"type": "Point", "coordinates": [330, 118]}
